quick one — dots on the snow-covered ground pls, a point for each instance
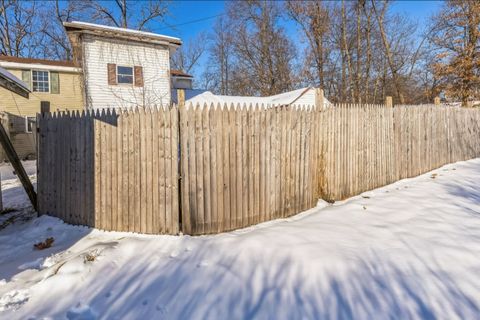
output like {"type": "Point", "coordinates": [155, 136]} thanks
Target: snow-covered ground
{"type": "Point", "coordinates": [408, 250]}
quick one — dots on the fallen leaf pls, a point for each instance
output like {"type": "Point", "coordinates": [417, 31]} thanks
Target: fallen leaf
{"type": "Point", "coordinates": [45, 244]}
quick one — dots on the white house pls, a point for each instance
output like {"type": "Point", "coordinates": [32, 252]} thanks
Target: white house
{"type": "Point", "coordinates": [122, 67]}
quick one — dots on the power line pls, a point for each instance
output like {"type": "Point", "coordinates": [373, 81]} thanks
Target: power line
{"type": "Point", "coordinates": [189, 22]}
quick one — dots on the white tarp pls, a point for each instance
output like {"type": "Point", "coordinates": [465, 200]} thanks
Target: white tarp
{"type": "Point", "coordinates": [304, 96]}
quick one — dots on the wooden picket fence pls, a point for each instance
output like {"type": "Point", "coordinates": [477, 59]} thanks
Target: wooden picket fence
{"type": "Point", "coordinates": [242, 166]}
{"type": "Point", "coordinates": [368, 146]}
{"type": "Point", "coordinates": [201, 170]}
{"type": "Point", "coordinates": [113, 170]}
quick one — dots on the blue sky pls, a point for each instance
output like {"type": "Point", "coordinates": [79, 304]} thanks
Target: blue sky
{"type": "Point", "coordinates": [189, 11]}
{"type": "Point", "coordinates": [189, 18]}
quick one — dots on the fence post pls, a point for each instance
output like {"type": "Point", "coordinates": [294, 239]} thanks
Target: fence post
{"type": "Point", "coordinates": [319, 98]}
{"type": "Point", "coordinates": [44, 106]}
{"type": "Point", "coordinates": [181, 97]}
{"type": "Point", "coordinates": [180, 110]}
{"type": "Point", "coordinates": [436, 101]}
{"type": "Point", "coordinates": [388, 102]}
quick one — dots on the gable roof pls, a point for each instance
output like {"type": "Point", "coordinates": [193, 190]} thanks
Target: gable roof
{"type": "Point", "coordinates": [121, 33]}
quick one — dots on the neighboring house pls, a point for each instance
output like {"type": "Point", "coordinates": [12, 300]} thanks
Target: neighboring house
{"type": "Point", "coordinates": [304, 96]}
{"type": "Point", "coordinates": [122, 67]}
{"type": "Point", "coordinates": [56, 84]}
{"type": "Point", "coordinates": [181, 80]}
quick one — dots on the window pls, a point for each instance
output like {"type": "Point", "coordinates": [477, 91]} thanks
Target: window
{"type": "Point", "coordinates": [40, 81]}
{"type": "Point", "coordinates": [125, 75]}
{"type": "Point", "coordinates": [30, 124]}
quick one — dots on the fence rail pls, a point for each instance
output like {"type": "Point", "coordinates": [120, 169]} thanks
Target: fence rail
{"type": "Point", "coordinates": [212, 169]}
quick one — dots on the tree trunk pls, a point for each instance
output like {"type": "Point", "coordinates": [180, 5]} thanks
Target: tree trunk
{"type": "Point", "coordinates": [388, 54]}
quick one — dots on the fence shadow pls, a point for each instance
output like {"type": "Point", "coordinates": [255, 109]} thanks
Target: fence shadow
{"type": "Point", "coordinates": [265, 286]}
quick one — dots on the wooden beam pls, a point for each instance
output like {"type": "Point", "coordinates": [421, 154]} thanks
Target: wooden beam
{"type": "Point", "coordinates": [17, 166]}
{"type": "Point", "coordinates": [13, 87]}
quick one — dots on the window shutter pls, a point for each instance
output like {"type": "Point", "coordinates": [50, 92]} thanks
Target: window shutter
{"type": "Point", "coordinates": [54, 82]}
{"type": "Point", "coordinates": [112, 74]}
{"type": "Point", "coordinates": [138, 71]}
{"type": "Point", "coordinates": [27, 78]}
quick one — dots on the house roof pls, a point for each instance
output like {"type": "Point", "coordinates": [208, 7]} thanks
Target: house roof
{"type": "Point", "coordinates": [59, 63]}
{"type": "Point", "coordinates": [121, 33]}
{"type": "Point", "coordinates": [12, 83]}
{"type": "Point", "coordinates": [180, 73]}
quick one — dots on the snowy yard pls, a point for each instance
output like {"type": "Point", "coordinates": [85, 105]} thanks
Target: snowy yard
{"type": "Point", "coordinates": [408, 250]}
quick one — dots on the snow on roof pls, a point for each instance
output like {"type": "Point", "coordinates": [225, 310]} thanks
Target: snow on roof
{"type": "Point", "coordinates": [98, 27]}
{"type": "Point", "coordinates": [4, 74]}
{"type": "Point", "coordinates": [304, 96]}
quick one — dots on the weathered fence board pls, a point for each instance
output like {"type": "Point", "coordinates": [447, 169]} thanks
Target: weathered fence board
{"type": "Point", "coordinates": [249, 180]}
{"type": "Point", "coordinates": [371, 146]}
{"type": "Point", "coordinates": [209, 169]}
{"type": "Point", "coordinates": [104, 169]}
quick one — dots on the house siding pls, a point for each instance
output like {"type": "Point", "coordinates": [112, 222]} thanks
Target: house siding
{"type": "Point", "coordinates": [98, 52]}
{"type": "Point", "coordinates": [17, 108]}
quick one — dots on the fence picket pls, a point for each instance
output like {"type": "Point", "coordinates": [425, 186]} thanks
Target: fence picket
{"type": "Point", "coordinates": [119, 170]}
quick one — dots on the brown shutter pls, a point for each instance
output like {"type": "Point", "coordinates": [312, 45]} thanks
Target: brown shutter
{"type": "Point", "coordinates": [138, 76]}
{"type": "Point", "coordinates": [112, 74]}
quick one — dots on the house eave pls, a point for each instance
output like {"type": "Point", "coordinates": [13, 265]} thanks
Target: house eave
{"type": "Point", "coordinates": [119, 33]}
{"type": "Point", "coordinates": [38, 66]}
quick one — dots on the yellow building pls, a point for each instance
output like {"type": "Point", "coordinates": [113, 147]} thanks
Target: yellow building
{"type": "Point", "coordinates": [55, 85]}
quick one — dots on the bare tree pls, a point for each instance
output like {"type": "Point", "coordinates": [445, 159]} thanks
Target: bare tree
{"type": "Point", "coordinates": [263, 52]}
{"type": "Point", "coordinates": [187, 57]}
{"type": "Point", "coordinates": [128, 13]}
{"type": "Point", "coordinates": [218, 73]}
{"type": "Point", "coordinates": [388, 53]}
{"type": "Point", "coordinates": [313, 19]}
{"type": "Point", "coordinates": [52, 16]}
{"type": "Point", "coordinates": [17, 28]}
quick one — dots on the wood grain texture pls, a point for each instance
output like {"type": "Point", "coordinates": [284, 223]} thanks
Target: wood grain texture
{"type": "Point", "coordinates": [225, 167]}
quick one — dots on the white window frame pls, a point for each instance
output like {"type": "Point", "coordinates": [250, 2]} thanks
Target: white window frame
{"type": "Point", "coordinates": [37, 70]}
{"type": "Point", "coordinates": [26, 123]}
{"type": "Point", "coordinates": [133, 75]}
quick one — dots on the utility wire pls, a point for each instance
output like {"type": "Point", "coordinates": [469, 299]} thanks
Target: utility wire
{"type": "Point", "coordinates": [189, 22]}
